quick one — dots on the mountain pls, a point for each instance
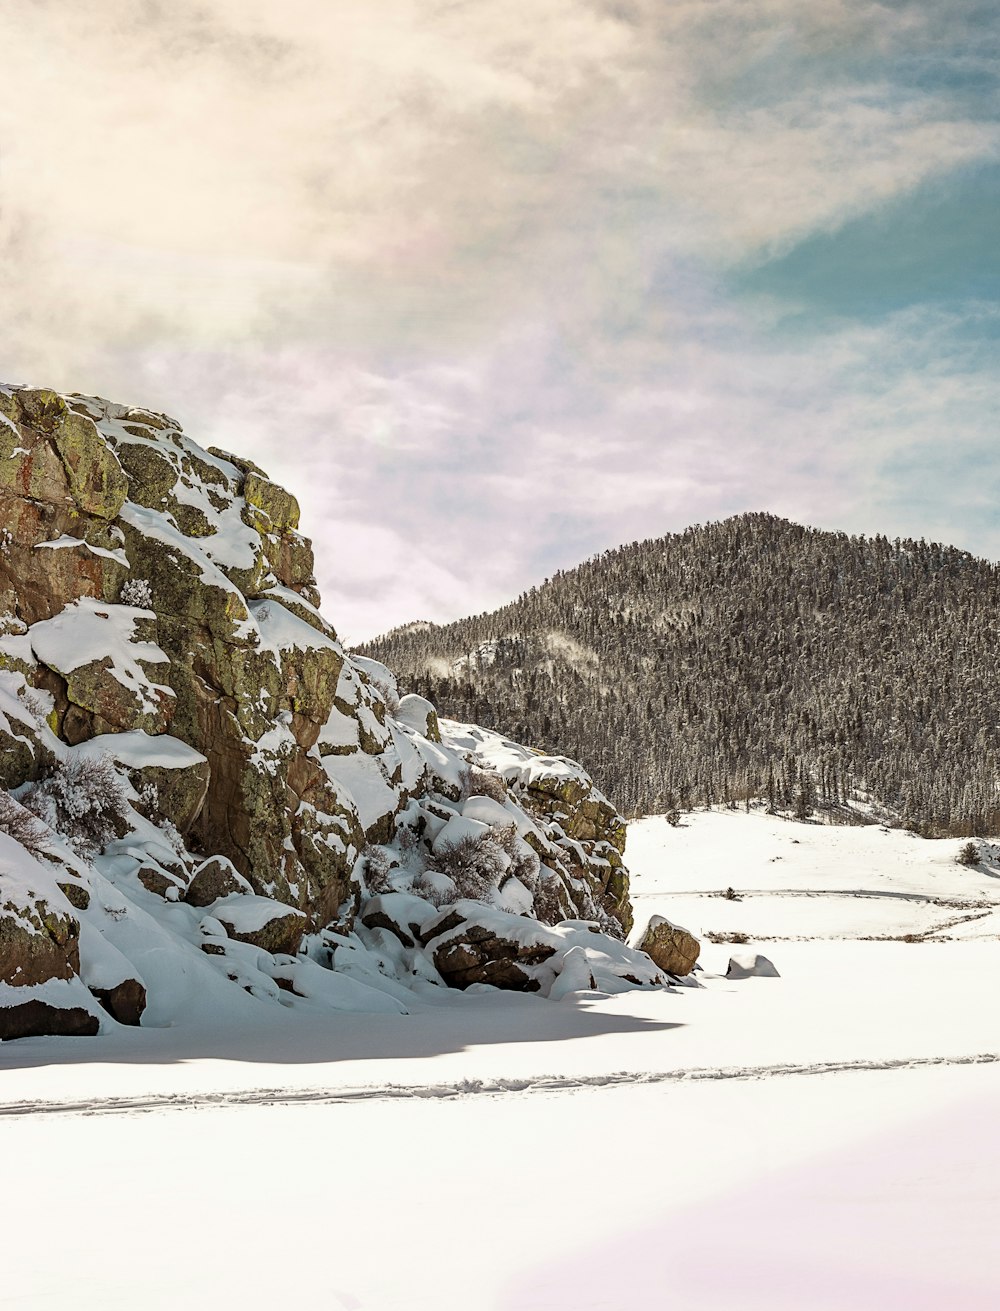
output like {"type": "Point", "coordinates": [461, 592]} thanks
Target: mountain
{"type": "Point", "coordinates": [207, 806]}
{"type": "Point", "coordinates": [752, 658]}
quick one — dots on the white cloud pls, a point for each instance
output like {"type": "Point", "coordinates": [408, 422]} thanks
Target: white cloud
{"type": "Point", "coordinates": [453, 271]}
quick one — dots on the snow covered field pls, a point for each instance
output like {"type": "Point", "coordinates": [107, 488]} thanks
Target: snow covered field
{"type": "Point", "coordinates": [823, 1139]}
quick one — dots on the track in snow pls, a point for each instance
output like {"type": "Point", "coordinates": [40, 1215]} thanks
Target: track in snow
{"type": "Point", "coordinates": [464, 1088]}
{"type": "Point", "coordinates": [861, 894]}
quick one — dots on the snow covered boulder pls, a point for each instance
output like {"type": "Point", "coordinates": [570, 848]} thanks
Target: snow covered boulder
{"type": "Point", "coordinates": [416, 712]}
{"type": "Point", "coordinates": [674, 949]}
{"type": "Point", "coordinates": [40, 992]}
{"type": "Point", "coordinates": [37, 942]}
{"type": "Point", "coordinates": [401, 914]}
{"type": "Point", "coordinates": [161, 882]}
{"type": "Point", "coordinates": [110, 977]}
{"type": "Point", "coordinates": [575, 975]}
{"type": "Point", "coordinates": [748, 965]}
{"type": "Point", "coordinates": [214, 879]}
{"type": "Point", "coordinates": [474, 944]}
{"type": "Point", "coordinates": [261, 922]}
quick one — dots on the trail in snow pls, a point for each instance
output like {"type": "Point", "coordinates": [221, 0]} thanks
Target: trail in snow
{"type": "Point", "coordinates": [745, 894]}
{"type": "Point", "coordinates": [464, 1088]}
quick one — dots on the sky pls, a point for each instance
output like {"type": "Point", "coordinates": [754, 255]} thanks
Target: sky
{"type": "Point", "coordinates": [493, 285]}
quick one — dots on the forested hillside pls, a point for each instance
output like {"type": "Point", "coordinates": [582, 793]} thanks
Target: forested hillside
{"type": "Point", "coordinates": [748, 658]}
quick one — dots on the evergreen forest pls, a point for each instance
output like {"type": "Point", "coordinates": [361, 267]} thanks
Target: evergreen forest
{"type": "Point", "coordinates": [752, 659]}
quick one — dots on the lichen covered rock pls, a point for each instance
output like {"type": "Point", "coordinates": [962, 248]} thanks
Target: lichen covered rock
{"type": "Point", "coordinates": [674, 949]}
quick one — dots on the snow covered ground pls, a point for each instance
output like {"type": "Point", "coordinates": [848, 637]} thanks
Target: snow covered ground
{"type": "Point", "coordinates": [824, 1139]}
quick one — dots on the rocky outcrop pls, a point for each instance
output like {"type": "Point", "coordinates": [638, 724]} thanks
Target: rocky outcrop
{"type": "Point", "coordinates": [152, 587]}
{"type": "Point", "coordinates": [265, 794]}
{"type": "Point", "coordinates": [579, 835]}
{"type": "Point", "coordinates": [674, 949]}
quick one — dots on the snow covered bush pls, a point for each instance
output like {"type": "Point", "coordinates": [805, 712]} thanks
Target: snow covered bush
{"type": "Point", "coordinates": [969, 855]}
{"type": "Point", "coordinates": [375, 869]}
{"type": "Point", "coordinates": [84, 801]}
{"type": "Point", "coordinates": [137, 592]}
{"type": "Point", "coordinates": [435, 887]}
{"type": "Point", "coordinates": [21, 825]}
{"type": "Point", "coordinates": [410, 845]}
{"type": "Point", "coordinates": [475, 864]}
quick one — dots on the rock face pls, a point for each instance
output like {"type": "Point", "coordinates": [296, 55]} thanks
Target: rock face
{"type": "Point", "coordinates": [160, 639]}
{"type": "Point", "coordinates": [671, 947]}
{"type": "Point", "coordinates": [182, 578]}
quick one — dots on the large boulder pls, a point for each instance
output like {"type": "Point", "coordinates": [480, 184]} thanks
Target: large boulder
{"type": "Point", "coordinates": [672, 948]}
{"type": "Point", "coordinates": [262, 923]}
{"type": "Point", "coordinates": [124, 1001]}
{"type": "Point", "coordinates": [215, 878]}
{"type": "Point", "coordinates": [479, 947]}
{"type": "Point", "coordinates": [37, 943]}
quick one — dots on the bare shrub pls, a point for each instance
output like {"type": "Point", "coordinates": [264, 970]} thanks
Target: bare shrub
{"type": "Point", "coordinates": [21, 825]}
{"type": "Point", "coordinates": [474, 864]}
{"type": "Point", "coordinates": [731, 894]}
{"type": "Point", "coordinates": [149, 796]}
{"type": "Point", "coordinates": [409, 844]}
{"type": "Point", "coordinates": [476, 782]}
{"type": "Point", "coordinates": [428, 885]}
{"type": "Point", "coordinates": [375, 869]}
{"type": "Point", "coordinates": [33, 702]}
{"type": "Point", "coordinates": [610, 924]}
{"type": "Point", "coordinates": [548, 902]}
{"type": "Point", "coordinates": [172, 836]}
{"type": "Point", "coordinates": [84, 801]}
{"type": "Point", "coordinates": [386, 691]}
{"type": "Point", "coordinates": [591, 909]}
{"type": "Point", "coordinates": [524, 863]}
